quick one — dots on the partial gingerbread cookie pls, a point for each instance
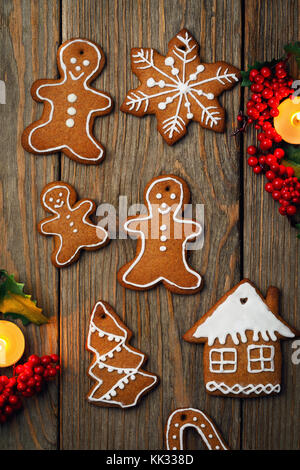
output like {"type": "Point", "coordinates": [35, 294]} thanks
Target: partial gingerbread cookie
{"type": "Point", "coordinates": [241, 336]}
{"type": "Point", "coordinates": [70, 105]}
{"type": "Point", "coordinates": [178, 87]}
{"type": "Point", "coordinates": [117, 366]}
{"type": "Point", "coordinates": [161, 253]}
{"type": "Point", "coordinates": [70, 225]}
{"type": "Point", "coordinates": [184, 418]}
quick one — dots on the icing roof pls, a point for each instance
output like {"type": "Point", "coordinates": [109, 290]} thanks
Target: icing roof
{"type": "Point", "coordinates": [232, 317]}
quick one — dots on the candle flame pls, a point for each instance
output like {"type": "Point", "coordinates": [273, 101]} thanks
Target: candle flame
{"type": "Point", "coordinates": [296, 119]}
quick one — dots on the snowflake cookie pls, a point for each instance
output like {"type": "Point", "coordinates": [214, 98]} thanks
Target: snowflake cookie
{"type": "Point", "coordinates": [178, 88]}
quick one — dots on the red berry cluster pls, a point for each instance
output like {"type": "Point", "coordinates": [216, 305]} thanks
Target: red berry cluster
{"type": "Point", "coordinates": [282, 182]}
{"type": "Point", "coordinates": [28, 380]}
{"type": "Point", "coordinates": [269, 87]}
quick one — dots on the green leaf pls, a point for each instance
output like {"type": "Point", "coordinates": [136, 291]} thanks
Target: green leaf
{"type": "Point", "coordinates": [294, 49]}
{"type": "Point", "coordinates": [292, 152]}
{"type": "Point", "coordinates": [14, 302]}
{"type": "Point", "coordinates": [258, 66]}
{"type": "Point", "coordinates": [294, 165]}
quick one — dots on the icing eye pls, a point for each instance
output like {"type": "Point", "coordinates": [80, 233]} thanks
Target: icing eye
{"type": "Point", "coordinates": [50, 199]}
{"type": "Point", "coordinates": [244, 300]}
{"type": "Point", "coordinates": [158, 196]}
{"type": "Point", "coordinates": [60, 194]}
{"type": "Point", "coordinates": [86, 63]}
{"type": "Point", "coordinates": [73, 60]}
{"type": "Point", "coordinates": [173, 196]}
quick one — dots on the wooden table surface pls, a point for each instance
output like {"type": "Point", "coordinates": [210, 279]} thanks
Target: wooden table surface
{"type": "Point", "coordinates": [244, 234]}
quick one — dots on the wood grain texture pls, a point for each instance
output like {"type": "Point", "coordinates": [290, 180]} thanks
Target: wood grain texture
{"type": "Point", "coordinates": [29, 35]}
{"type": "Point", "coordinates": [244, 236]}
{"type": "Point", "coordinates": [135, 154]}
{"type": "Point", "coordinates": [271, 249]}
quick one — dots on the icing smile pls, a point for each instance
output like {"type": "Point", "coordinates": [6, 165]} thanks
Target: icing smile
{"type": "Point", "coordinates": [76, 78]}
{"type": "Point", "coordinates": [58, 206]}
{"type": "Point", "coordinates": [164, 208]}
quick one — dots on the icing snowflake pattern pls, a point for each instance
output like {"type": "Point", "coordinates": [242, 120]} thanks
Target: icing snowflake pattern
{"type": "Point", "coordinates": [178, 88]}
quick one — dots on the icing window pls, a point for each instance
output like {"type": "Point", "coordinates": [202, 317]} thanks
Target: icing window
{"type": "Point", "coordinates": [260, 358]}
{"type": "Point", "coordinates": [223, 360]}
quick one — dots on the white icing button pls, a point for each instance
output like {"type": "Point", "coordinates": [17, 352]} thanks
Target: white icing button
{"type": "Point", "coordinates": [68, 216]}
{"type": "Point", "coordinates": [121, 386]}
{"type": "Point", "coordinates": [133, 377]}
{"type": "Point", "coordinates": [169, 61]}
{"type": "Point", "coordinates": [70, 122]}
{"type": "Point", "coordinates": [210, 436]}
{"type": "Point", "coordinates": [117, 340]}
{"type": "Point", "coordinates": [169, 99]}
{"type": "Point", "coordinates": [175, 71]}
{"type": "Point", "coordinates": [193, 76]}
{"type": "Point", "coordinates": [118, 349]}
{"type": "Point", "coordinates": [103, 359]}
{"type": "Point", "coordinates": [174, 448]}
{"type": "Point", "coordinates": [194, 419]}
{"type": "Point", "coordinates": [176, 425]}
{"type": "Point", "coordinates": [161, 84]}
{"type": "Point", "coordinates": [200, 68]}
{"type": "Point", "coordinates": [75, 230]}
{"type": "Point", "coordinates": [110, 369]}
{"type": "Point", "coordinates": [71, 111]}
{"type": "Point", "coordinates": [101, 366]}
{"type": "Point", "coordinates": [150, 82]}
{"type": "Point", "coordinates": [190, 115]}
{"type": "Point", "coordinates": [202, 425]}
{"type": "Point", "coordinates": [210, 96]}
{"type": "Point", "coordinates": [120, 371]}
{"type": "Point", "coordinates": [174, 437]}
{"type": "Point", "coordinates": [162, 105]}
{"type": "Point", "coordinates": [101, 334]}
{"type": "Point", "coordinates": [73, 60]}
{"type": "Point", "coordinates": [110, 338]}
{"type": "Point", "coordinates": [163, 238]}
{"type": "Point", "coordinates": [57, 201]}
{"type": "Point", "coordinates": [71, 224]}
{"type": "Point", "coordinates": [113, 393]}
{"type": "Point", "coordinates": [86, 63]}
{"type": "Point", "coordinates": [217, 447]}
{"type": "Point", "coordinates": [164, 205]}
{"type": "Point", "coordinates": [51, 199]}
{"type": "Point", "coordinates": [72, 98]}
{"type": "Point", "coordinates": [125, 380]}
{"type": "Point", "coordinates": [110, 354]}
{"type": "Point", "coordinates": [163, 227]}
{"type": "Point", "coordinates": [162, 248]}
{"type": "Point", "coordinates": [173, 196]}
{"type": "Point", "coordinates": [78, 68]}
{"type": "Point", "coordinates": [158, 196]}
{"type": "Point", "coordinates": [60, 194]}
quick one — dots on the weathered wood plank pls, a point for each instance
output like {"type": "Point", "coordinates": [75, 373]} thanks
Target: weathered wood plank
{"type": "Point", "coordinates": [136, 153]}
{"type": "Point", "coordinates": [271, 250]}
{"type": "Point", "coordinates": [29, 37]}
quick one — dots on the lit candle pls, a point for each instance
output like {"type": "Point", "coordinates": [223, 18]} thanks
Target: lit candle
{"type": "Point", "coordinates": [12, 343]}
{"type": "Point", "coordinates": [287, 123]}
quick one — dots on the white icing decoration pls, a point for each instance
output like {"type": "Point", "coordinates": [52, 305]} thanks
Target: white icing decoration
{"type": "Point", "coordinates": [265, 357]}
{"type": "Point", "coordinates": [220, 361]}
{"type": "Point", "coordinates": [72, 98]}
{"type": "Point", "coordinates": [158, 196]}
{"type": "Point", "coordinates": [205, 435]}
{"type": "Point", "coordinates": [71, 111]}
{"type": "Point", "coordinates": [43, 225]}
{"type": "Point", "coordinates": [51, 199]}
{"type": "Point", "coordinates": [173, 196]}
{"type": "Point", "coordinates": [179, 86]}
{"type": "Point", "coordinates": [75, 230]}
{"type": "Point", "coordinates": [163, 248]}
{"type": "Point", "coordinates": [78, 68]}
{"type": "Point", "coordinates": [71, 224]}
{"type": "Point", "coordinates": [151, 82]}
{"type": "Point", "coordinates": [68, 216]}
{"type": "Point", "coordinates": [130, 373]}
{"type": "Point", "coordinates": [73, 60]}
{"type": "Point", "coordinates": [86, 62]}
{"type": "Point", "coordinates": [163, 238]}
{"type": "Point", "coordinates": [70, 122]}
{"type": "Point", "coordinates": [143, 239]}
{"type": "Point", "coordinates": [163, 228]}
{"type": "Point", "coordinates": [244, 389]}
{"type": "Point", "coordinates": [194, 418]}
{"type": "Point", "coordinates": [233, 318]}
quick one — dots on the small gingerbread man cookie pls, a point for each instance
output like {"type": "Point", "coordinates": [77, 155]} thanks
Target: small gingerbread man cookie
{"type": "Point", "coordinates": [162, 237]}
{"type": "Point", "coordinates": [70, 105]}
{"type": "Point", "coordinates": [71, 227]}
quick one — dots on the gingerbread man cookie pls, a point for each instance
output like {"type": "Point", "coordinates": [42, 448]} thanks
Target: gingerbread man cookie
{"type": "Point", "coordinates": [117, 366]}
{"type": "Point", "coordinates": [178, 87]}
{"type": "Point", "coordinates": [70, 105]}
{"type": "Point", "coordinates": [162, 237]}
{"type": "Point", "coordinates": [71, 227]}
{"type": "Point", "coordinates": [184, 418]}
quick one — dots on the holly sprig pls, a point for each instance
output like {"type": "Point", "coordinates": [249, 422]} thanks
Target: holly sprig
{"type": "Point", "coordinates": [246, 82]}
{"type": "Point", "coordinates": [294, 49]}
{"type": "Point", "coordinates": [15, 303]}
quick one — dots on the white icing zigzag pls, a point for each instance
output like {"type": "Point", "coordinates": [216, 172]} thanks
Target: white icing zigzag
{"type": "Point", "coordinates": [246, 390]}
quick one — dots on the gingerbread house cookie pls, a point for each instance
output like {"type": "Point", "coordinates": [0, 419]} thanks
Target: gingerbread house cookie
{"type": "Point", "coordinates": [241, 336]}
